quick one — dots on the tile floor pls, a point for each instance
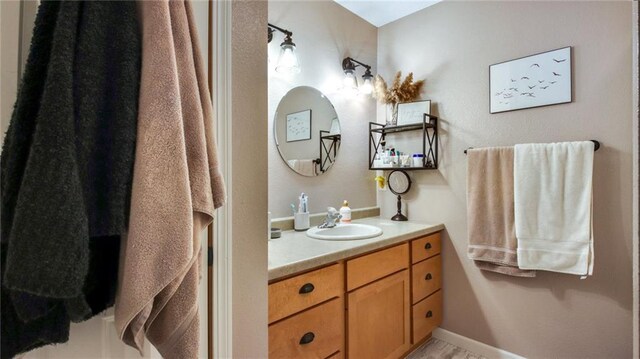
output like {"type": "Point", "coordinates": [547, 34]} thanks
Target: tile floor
{"type": "Point", "coordinates": [438, 349]}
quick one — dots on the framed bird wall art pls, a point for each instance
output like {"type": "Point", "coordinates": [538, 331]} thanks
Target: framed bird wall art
{"type": "Point", "coordinates": [533, 81]}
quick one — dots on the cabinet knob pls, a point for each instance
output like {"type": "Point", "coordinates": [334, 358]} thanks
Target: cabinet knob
{"type": "Point", "coordinates": [427, 246]}
{"type": "Point", "coordinates": [307, 288]}
{"type": "Point", "coordinates": [307, 338]}
{"type": "Point", "coordinates": [428, 277]}
{"type": "Point", "coordinates": [429, 314]}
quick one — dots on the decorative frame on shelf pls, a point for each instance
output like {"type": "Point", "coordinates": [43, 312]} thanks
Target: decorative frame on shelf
{"type": "Point", "coordinates": [411, 112]}
{"type": "Point", "coordinates": [537, 80]}
{"type": "Point", "coordinates": [299, 126]}
{"type": "Point", "coordinates": [429, 127]}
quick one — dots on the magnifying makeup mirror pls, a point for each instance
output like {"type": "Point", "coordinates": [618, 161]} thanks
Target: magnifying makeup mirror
{"type": "Point", "coordinates": [399, 184]}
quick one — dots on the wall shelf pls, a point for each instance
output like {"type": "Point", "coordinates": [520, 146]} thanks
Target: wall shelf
{"type": "Point", "coordinates": [429, 128]}
{"type": "Point", "coordinates": [329, 146]}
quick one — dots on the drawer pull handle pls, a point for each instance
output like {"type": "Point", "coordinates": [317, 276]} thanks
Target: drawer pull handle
{"type": "Point", "coordinates": [429, 314]}
{"type": "Point", "coordinates": [307, 338]}
{"type": "Point", "coordinates": [307, 288]}
{"type": "Point", "coordinates": [427, 246]}
{"type": "Point", "coordinates": [428, 277]}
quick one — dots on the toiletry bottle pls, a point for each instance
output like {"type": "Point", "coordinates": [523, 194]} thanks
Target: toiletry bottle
{"type": "Point", "coordinates": [345, 211]}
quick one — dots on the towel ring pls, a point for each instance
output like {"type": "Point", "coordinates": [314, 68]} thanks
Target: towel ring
{"type": "Point", "coordinates": [596, 146]}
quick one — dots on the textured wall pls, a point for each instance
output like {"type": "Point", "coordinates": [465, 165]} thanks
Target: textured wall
{"type": "Point", "coordinates": [452, 44]}
{"type": "Point", "coordinates": [249, 187]}
{"type": "Point", "coordinates": [324, 33]}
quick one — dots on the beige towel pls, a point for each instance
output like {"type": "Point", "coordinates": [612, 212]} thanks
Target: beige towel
{"type": "Point", "coordinates": [490, 213]}
{"type": "Point", "coordinates": [176, 187]}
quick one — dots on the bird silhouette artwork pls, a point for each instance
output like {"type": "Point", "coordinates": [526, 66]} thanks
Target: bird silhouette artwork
{"type": "Point", "coordinates": [531, 81]}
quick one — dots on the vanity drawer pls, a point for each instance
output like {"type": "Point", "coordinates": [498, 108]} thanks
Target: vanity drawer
{"type": "Point", "coordinates": [425, 247]}
{"type": "Point", "coordinates": [370, 267]}
{"type": "Point", "coordinates": [426, 278]}
{"type": "Point", "coordinates": [427, 315]}
{"type": "Point", "coordinates": [315, 333]}
{"type": "Point", "coordinates": [303, 291]}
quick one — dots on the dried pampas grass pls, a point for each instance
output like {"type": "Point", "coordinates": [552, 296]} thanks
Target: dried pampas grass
{"type": "Point", "coordinates": [399, 92]}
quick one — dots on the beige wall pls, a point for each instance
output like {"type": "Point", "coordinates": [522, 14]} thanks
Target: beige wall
{"type": "Point", "coordinates": [9, 60]}
{"type": "Point", "coordinates": [324, 33]}
{"type": "Point", "coordinates": [248, 190]}
{"type": "Point", "coordinates": [452, 44]}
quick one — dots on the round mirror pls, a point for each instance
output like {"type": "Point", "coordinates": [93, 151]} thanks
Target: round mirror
{"type": "Point", "coordinates": [399, 184]}
{"type": "Point", "coordinates": [307, 131]}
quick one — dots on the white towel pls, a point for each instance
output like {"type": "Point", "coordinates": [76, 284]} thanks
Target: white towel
{"type": "Point", "coordinates": [553, 206]}
{"type": "Point", "coordinates": [303, 167]}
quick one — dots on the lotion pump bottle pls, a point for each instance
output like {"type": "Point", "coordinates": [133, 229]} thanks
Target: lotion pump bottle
{"type": "Point", "coordinates": [345, 211]}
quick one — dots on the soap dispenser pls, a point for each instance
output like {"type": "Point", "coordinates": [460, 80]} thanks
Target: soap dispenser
{"type": "Point", "coordinates": [345, 211]}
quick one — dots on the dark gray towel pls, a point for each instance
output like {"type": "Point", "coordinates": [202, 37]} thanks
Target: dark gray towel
{"type": "Point", "coordinates": [67, 166]}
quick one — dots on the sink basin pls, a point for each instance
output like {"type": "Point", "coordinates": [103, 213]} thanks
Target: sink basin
{"type": "Point", "coordinates": [345, 232]}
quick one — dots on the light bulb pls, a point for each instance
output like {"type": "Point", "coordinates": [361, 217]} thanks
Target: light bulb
{"type": "Point", "coordinates": [288, 61]}
{"type": "Point", "coordinates": [349, 83]}
{"type": "Point", "coordinates": [367, 86]}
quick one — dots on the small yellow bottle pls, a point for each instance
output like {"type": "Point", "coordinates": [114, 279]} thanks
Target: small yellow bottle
{"type": "Point", "coordinates": [345, 211]}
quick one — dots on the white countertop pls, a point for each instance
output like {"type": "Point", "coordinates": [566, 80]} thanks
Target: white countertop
{"type": "Point", "coordinates": [295, 252]}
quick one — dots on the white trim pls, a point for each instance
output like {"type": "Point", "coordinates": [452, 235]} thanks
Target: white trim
{"type": "Point", "coordinates": [636, 190]}
{"type": "Point", "coordinates": [473, 346]}
{"type": "Point", "coordinates": [222, 248]}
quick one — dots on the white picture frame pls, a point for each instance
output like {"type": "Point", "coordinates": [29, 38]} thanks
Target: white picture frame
{"type": "Point", "coordinates": [299, 126]}
{"type": "Point", "coordinates": [538, 80]}
{"type": "Point", "coordinates": [413, 112]}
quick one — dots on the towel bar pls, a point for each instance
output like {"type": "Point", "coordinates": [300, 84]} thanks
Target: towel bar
{"type": "Point", "coordinates": [595, 148]}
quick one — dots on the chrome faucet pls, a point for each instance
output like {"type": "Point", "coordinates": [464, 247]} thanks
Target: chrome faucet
{"type": "Point", "coordinates": [332, 217]}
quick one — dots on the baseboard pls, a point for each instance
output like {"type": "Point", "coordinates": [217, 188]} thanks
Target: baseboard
{"type": "Point", "coordinates": [473, 346]}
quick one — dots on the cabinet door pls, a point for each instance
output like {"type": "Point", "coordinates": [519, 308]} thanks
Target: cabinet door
{"type": "Point", "coordinates": [379, 319]}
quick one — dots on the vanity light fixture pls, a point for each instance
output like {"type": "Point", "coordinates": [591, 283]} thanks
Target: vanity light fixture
{"type": "Point", "coordinates": [350, 82]}
{"type": "Point", "coordinates": [288, 61]}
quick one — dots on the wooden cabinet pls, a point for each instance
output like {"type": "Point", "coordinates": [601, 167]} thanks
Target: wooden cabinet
{"type": "Point", "coordinates": [366, 269]}
{"type": "Point", "coordinates": [292, 295]}
{"type": "Point", "coordinates": [378, 318]}
{"type": "Point", "coordinates": [427, 315]}
{"type": "Point", "coordinates": [426, 284]}
{"type": "Point", "coordinates": [378, 305]}
{"type": "Point", "coordinates": [425, 247]}
{"type": "Point", "coordinates": [426, 278]}
{"type": "Point", "coordinates": [315, 333]}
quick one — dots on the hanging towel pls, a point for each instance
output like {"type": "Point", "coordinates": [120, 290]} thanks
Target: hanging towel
{"type": "Point", "coordinates": [553, 206]}
{"type": "Point", "coordinates": [492, 237]}
{"type": "Point", "coordinates": [304, 167]}
{"type": "Point", "coordinates": [176, 187]}
{"type": "Point", "coordinates": [67, 165]}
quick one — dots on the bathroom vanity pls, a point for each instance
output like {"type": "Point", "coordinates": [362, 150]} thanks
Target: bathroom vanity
{"type": "Point", "coordinates": [372, 298]}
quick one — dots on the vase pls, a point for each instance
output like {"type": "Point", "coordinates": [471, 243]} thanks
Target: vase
{"type": "Point", "coordinates": [392, 118]}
